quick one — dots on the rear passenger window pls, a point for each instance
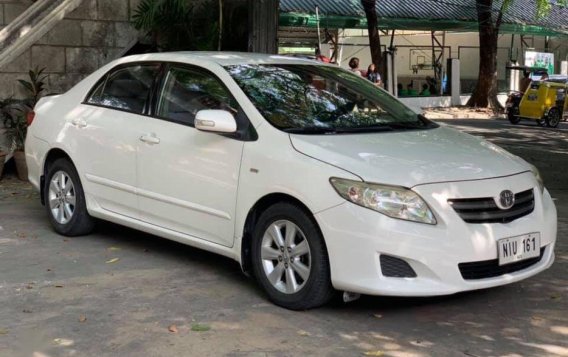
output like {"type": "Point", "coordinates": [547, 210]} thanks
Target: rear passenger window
{"type": "Point", "coordinates": [186, 91]}
{"type": "Point", "coordinates": [127, 88]}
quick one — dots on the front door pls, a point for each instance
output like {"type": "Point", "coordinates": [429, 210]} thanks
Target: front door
{"type": "Point", "coordinates": [188, 179]}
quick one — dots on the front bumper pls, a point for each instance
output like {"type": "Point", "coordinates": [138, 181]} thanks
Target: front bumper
{"type": "Point", "coordinates": [356, 237]}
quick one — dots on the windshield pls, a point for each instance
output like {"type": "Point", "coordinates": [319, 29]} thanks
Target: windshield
{"type": "Point", "coordinates": [312, 99]}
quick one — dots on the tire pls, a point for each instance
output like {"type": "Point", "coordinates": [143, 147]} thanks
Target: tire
{"type": "Point", "coordinates": [65, 204]}
{"type": "Point", "coordinates": [513, 117]}
{"type": "Point", "coordinates": [553, 118]}
{"type": "Point", "coordinates": [289, 262]}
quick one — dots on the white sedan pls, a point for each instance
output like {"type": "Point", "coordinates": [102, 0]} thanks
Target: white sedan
{"type": "Point", "coordinates": [310, 177]}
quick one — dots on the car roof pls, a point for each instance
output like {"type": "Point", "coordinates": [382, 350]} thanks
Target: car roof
{"type": "Point", "coordinates": [221, 58]}
{"type": "Point", "coordinates": [558, 78]}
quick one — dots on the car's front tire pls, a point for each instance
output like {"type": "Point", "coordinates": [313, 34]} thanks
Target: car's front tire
{"type": "Point", "coordinates": [290, 259]}
{"type": "Point", "coordinates": [65, 200]}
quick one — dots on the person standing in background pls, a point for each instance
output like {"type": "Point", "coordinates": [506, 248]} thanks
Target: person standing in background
{"type": "Point", "coordinates": [525, 82]}
{"type": "Point", "coordinates": [354, 65]}
{"type": "Point", "coordinates": [425, 90]}
{"type": "Point", "coordinates": [373, 75]}
{"type": "Point", "coordinates": [432, 87]}
{"type": "Point", "coordinates": [320, 57]}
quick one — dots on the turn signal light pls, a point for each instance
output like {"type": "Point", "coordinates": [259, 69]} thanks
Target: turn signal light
{"type": "Point", "coordinates": [30, 117]}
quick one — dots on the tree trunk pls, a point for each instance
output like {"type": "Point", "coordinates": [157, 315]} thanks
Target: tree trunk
{"type": "Point", "coordinates": [263, 26]}
{"type": "Point", "coordinates": [485, 93]}
{"type": "Point", "coordinates": [235, 26]}
{"type": "Point", "coordinates": [374, 40]}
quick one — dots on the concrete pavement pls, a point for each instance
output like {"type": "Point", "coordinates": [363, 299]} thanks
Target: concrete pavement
{"type": "Point", "coordinates": [120, 292]}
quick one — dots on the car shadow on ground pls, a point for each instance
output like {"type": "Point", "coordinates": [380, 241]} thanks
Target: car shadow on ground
{"type": "Point", "coordinates": [144, 243]}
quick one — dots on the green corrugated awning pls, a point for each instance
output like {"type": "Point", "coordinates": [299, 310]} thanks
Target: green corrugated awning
{"type": "Point", "coordinates": [349, 22]}
{"type": "Point", "coordinates": [440, 15]}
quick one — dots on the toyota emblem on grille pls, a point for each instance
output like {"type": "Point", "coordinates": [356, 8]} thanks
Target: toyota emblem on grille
{"type": "Point", "coordinates": [506, 199]}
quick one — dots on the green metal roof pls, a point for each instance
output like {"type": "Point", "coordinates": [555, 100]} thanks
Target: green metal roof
{"type": "Point", "coordinates": [448, 15]}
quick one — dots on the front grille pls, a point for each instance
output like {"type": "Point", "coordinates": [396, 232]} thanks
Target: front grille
{"type": "Point", "coordinates": [491, 268]}
{"type": "Point", "coordinates": [396, 268]}
{"type": "Point", "coordinates": [485, 210]}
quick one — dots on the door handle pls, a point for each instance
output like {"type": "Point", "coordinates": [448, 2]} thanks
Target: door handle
{"type": "Point", "coordinates": [79, 122]}
{"type": "Point", "coordinates": [150, 139]}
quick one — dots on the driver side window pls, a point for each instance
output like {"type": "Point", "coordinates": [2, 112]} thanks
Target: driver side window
{"type": "Point", "coordinates": [186, 91]}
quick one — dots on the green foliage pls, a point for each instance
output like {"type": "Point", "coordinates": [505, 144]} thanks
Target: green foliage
{"type": "Point", "coordinates": [13, 112]}
{"type": "Point", "coordinates": [34, 87]}
{"type": "Point", "coordinates": [175, 25]}
{"type": "Point", "coordinates": [14, 122]}
{"type": "Point", "coordinates": [16, 130]}
{"type": "Point", "coordinates": [543, 7]}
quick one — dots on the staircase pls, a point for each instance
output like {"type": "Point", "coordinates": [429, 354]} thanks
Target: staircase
{"type": "Point", "coordinates": [31, 25]}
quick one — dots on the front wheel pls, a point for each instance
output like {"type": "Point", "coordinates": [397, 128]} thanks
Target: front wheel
{"type": "Point", "coordinates": [290, 259]}
{"type": "Point", "coordinates": [553, 118]}
{"type": "Point", "coordinates": [65, 200]}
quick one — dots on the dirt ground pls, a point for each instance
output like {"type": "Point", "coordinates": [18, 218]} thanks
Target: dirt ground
{"type": "Point", "coordinates": [461, 113]}
{"type": "Point", "coordinates": [120, 292]}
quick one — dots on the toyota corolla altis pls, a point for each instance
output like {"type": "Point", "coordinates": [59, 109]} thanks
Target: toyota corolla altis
{"type": "Point", "coordinates": [313, 179]}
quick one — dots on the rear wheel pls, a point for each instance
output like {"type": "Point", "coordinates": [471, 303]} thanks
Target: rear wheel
{"type": "Point", "coordinates": [290, 259]}
{"type": "Point", "coordinates": [513, 116]}
{"type": "Point", "coordinates": [65, 200]}
{"type": "Point", "coordinates": [553, 117]}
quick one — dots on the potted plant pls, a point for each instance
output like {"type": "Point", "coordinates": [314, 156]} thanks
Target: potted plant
{"type": "Point", "coordinates": [16, 122]}
{"type": "Point", "coordinates": [16, 129]}
{"type": "Point", "coordinates": [6, 113]}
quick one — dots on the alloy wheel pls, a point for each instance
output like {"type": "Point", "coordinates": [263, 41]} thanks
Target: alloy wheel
{"type": "Point", "coordinates": [286, 257]}
{"type": "Point", "coordinates": [61, 197]}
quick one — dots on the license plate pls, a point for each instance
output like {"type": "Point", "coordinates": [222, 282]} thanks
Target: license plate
{"type": "Point", "coordinates": [518, 248]}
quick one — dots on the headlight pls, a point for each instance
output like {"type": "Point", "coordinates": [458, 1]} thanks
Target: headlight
{"type": "Point", "coordinates": [395, 202]}
{"type": "Point", "coordinates": [536, 174]}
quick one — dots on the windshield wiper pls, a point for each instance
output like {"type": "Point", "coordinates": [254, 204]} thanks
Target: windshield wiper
{"type": "Point", "coordinates": [320, 130]}
{"type": "Point", "coordinates": [365, 129]}
{"type": "Point", "coordinates": [310, 130]}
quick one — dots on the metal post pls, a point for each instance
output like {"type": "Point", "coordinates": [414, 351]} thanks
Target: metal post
{"type": "Point", "coordinates": [393, 73]}
{"type": "Point", "coordinates": [389, 83]}
{"type": "Point", "coordinates": [455, 84]}
{"type": "Point", "coordinates": [340, 38]}
{"type": "Point", "coordinates": [318, 25]}
{"type": "Point", "coordinates": [438, 56]}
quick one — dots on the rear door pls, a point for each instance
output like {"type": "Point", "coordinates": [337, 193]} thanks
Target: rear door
{"type": "Point", "coordinates": [106, 135]}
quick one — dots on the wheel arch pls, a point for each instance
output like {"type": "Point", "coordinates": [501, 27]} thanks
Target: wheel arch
{"type": "Point", "coordinates": [52, 155]}
{"type": "Point", "coordinates": [254, 213]}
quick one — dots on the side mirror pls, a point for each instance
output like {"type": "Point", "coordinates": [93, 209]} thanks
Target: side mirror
{"type": "Point", "coordinates": [215, 121]}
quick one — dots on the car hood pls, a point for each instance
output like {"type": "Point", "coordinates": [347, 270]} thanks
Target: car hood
{"type": "Point", "coordinates": [410, 158]}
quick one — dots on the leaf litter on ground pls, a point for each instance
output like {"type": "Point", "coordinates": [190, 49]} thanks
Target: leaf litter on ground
{"type": "Point", "coordinates": [200, 327]}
